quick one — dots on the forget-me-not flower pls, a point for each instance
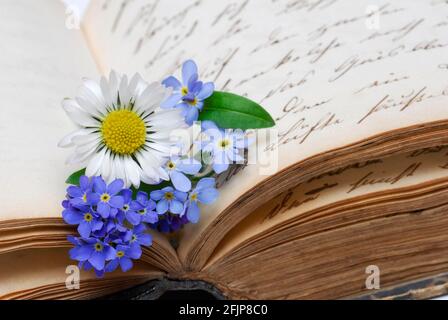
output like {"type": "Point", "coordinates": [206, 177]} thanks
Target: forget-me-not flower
{"type": "Point", "coordinates": [87, 220]}
{"type": "Point", "coordinates": [78, 194]}
{"type": "Point", "coordinates": [93, 250]}
{"type": "Point", "coordinates": [105, 196]}
{"type": "Point", "coordinates": [188, 95]}
{"type": "Point", "coordinates": [123, 257]}
{"type": "Point", "coordinates": [169, 199]}
{"type": "Point", "coordinates": [225, 146]}
{"type": "Point", "coordinates": [143, 209]}
{"type": "Point", "coordinates": [177, 168]}
{"type": "Point", "coordinates": [204, 192]}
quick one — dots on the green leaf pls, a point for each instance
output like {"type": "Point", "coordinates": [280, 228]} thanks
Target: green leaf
{"type": "Point", "coordinates": [230, 111]}
{"type": "Point", "coordinates": [74, 177]}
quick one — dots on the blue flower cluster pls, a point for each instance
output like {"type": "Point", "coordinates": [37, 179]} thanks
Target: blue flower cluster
{"type": "Point", "coordinates": [111, 225]}
{"type": "Point", "coordinates": [113, 222]}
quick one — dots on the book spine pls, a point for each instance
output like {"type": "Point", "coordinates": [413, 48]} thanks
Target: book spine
{"type": "Point", "coordinates": [155, 289]}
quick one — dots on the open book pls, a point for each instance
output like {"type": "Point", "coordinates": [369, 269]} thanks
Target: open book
{"type": "Point", "coordinates": [360, 98]}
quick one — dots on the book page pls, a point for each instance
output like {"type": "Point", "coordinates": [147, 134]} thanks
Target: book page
{"type": "Point", "coordinates": [331, 72]}
{"type": "Point", "coordinates": [363, 185]}
{"type": "Point", "coordinates": [42, 61]}
{"type": "Point", "coordinates": [52, 269]}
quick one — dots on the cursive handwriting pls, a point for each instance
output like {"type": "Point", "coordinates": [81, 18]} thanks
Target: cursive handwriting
{"type": "Point", "coordinates": [370, 179]}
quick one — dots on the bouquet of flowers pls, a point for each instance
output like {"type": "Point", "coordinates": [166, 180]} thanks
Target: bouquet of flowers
{"type": "Point", "coordinates": [135, 176]}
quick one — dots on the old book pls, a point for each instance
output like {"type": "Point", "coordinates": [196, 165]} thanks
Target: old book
{"type": "Point", "coordinates": [359, 93]}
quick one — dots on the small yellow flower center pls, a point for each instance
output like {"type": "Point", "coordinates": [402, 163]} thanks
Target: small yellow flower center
{"type": "Point", "coordinates": [184, 91]}
{"type": "Point", "coordinates": [84, 197]}
{"type": "Point", "coordinates": [124, 132]}
{"type": "Point", "coordinates": [125, 207]}
{"type": "Point", "coordinates": [194, 197]}
{"type": "Point", "coordinates": [88, 217]}
{"type": "Point", "coordinates": [194, 102]}
{"type": "Point", "coordinates": [134, 238]}
{"type": "Point", "coordinates": [120, 254]}
{"type": "Point", "coordinates": [224, 143]}
{"type": "Point", "coordinates": [142, 212]}
{"type": "Point", "coordinates": [98, 247]}
{"type": "Point", "coordinates": [105, 197]}
{"type": "Point", "coordinates": [171, 165]}
{"type": "Point", "coordinates": [169, 196]}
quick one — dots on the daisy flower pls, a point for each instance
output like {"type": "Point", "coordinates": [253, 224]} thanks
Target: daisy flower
{"type": "Point", "coordinates": [123, 133]}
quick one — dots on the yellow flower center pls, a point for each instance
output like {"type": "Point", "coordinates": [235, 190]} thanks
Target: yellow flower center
{"type": "Point", "coordinates": [194, 197]}
{"type": "Point", "coordinates": [171, 165]}
{"type": "Point", "coordinates": [105, 197]}
{"type": "Point", "coordinates": [194, 102]}
{"type": "Point", "coordinates": [124, 132]}
{"type": "Point", "coordinates": [98, 247]}
{"type": "Point", "coordinates": [84, 197]}
{"type": "Point", "coordinates": [184, 91]}
{"type": "Point", "coordinates": [120, 254]}
{"type": "Point", "coordinates": [142, 211]}
{"type": "Point", "coordinates": [88, 217]}
{"type": "Point", "coordinates": [224, 143]}
{"type": "Point", "coordinates": [169, 196]}
{"type": "Point", "coordinates": [134, 238]}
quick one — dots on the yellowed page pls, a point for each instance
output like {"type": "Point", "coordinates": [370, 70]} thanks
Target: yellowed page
{"type": "Point", "coordinates": [339, 188]}
{"type": "Point", "coordinates": [332, 72]}
{"type": "Point", "coordinates": [42, 61]}
{"type": "Point", "coordinates": [43, 273]}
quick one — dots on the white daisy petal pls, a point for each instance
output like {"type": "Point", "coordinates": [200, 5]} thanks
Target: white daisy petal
{"type": "Point", "coordinates": [67, 141]}
{"type": "Point", "coordinates": [125, 95]}
{"type": "Point", "coordinates": [132, 172]}
{"type": "Point", "coordinates": [148, 163]}
{"type": "Point", "coordinates": [165, 149]}
{"type": "Point", "coordinates": [95, 163]}
{"type": "Point", "coordinates": [114, 82]}
{"type": "Point", "coordinates": [163, 174]}
{"type": "Point", "coordinates": [153, 104]}
{"type": "Point", "coordinates": [77, 114]}
{"type": "Point", "coordinates": [148, 180]}
{"type": "Point", "coordinates": [167, 119]}
{"type": "Point", "coordinates": [162, 136]}
{"type": "Point", "coordinates": [89, 107]}
{"type": "Point", "coordinates": [85, 139]}
{"type": "Point", "coordinates": [145, 101]}
{"type": "Point", "coordinates": [73, 159]}
{"type": "Point", "coordinates": [119, 169]}
{"type": "Point", "coordinates": [136, 85]}
{"type": "Point", "coordinates": [94, 144]}
{"type": "Point", "coordinates": [105, 166]}
{"type": "Point", "coordinates": [112, 171]}
{"type": "Point", "coordinates": [91, 95]}
{"type": "Point", "coordinates": [80, 157]}
{"type": "Point", "coordinates": [106, 92]}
